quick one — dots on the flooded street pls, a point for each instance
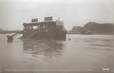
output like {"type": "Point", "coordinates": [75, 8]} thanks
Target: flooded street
{"type": "Point", "coordinates": [78, 53]}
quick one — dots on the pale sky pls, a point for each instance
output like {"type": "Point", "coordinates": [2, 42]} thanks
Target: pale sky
{"type": "Point", "coordinates": [13, 13]}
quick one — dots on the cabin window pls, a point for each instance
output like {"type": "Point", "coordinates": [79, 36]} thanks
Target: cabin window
{"type": "Point", "coordinates": [35, 27]}
{"type": "Point", "coordinates": [44, 26]}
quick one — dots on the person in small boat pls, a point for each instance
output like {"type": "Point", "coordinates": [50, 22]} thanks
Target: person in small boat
{"type": "Point", "coordinates": [9, 38]}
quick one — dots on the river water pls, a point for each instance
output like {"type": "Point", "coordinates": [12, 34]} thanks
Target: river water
{"type": "Point", "coordinates": [78, 54]}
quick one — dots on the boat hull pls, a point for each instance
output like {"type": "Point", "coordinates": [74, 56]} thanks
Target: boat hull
{"type": "Point", "coordinates": [44, 35]}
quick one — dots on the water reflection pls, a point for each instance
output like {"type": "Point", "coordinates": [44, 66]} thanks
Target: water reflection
{"type": "Point", "coordinates": [43, 47]}
{"type": "Point", "coordinates": [85, 53]}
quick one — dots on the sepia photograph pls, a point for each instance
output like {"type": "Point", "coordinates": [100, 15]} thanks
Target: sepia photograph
{"type": "Point", "coordinates": [56, 36]}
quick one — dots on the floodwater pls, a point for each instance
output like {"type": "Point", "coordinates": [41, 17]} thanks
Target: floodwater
{"type": "Point", "coordinates": [77, 54]}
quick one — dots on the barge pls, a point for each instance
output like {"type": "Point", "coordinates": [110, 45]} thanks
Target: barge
{"type": "Point", "coordinates": [47, 29]}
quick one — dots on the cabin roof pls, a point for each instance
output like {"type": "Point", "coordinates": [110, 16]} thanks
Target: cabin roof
{"type": "Point", "coordinates": [39, 23]}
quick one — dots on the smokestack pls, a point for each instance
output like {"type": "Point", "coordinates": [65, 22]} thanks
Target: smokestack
{"type": "Point", "coordinates": [34, 20]}
{"type": "Point", "coordinates": [48, 18]}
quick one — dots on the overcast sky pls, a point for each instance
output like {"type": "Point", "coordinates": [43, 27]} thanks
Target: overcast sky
{"type": "Point", "coordinates": [13, 13]}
